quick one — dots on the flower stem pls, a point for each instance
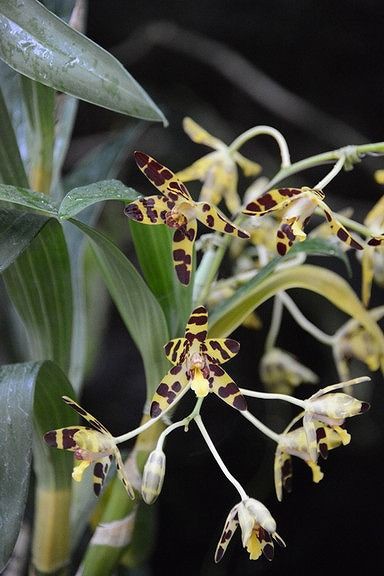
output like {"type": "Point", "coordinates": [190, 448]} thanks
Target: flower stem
{"type": "Point", "coordinates": [184, 422]}
{"type": "Point", "coordinates": [268, 130]}
{"type": "Point", "coordinates": [277, 314]}
{"type": "Point", "coordinates": [304, 322]}
{"type": "Point", "coordinates": [260, 426]}
{"type": "Point", "coordinates": [331, 175]}
{"type": "Point", "coordinates": [218, 458]}
{"type": "Point", "coordinates": [270, 396]}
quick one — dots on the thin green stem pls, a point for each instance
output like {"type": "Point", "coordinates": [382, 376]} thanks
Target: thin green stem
{"type": "Point", "coordinates": [260, 426]}
{"type": "Point", "coordinates": [277, 314]}
{"type": "Point", "coordinates": [218, 459]}
{"type": "Point", "coordinates": [270, 396]}
{"type": "Point", "coordinates": [269, 131]}
{"type": "Point", "coordinates": [184, 422]}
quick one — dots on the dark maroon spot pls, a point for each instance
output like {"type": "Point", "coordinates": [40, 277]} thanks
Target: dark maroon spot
{"type": "Point", "coordinates": [252, 207]}
{"type": "Point", "coordinates": [289, 192]}
{"type": "Point", "coordinates": [216, 370]}
{"type": "Point", "coordinates": [355, 245]}
{"type": "Point", "coordinates": [173, 196]}
{"type": "Point", "coordinates": [242, 234]}
{"type": "Point", "coordinates": [155, 410]}
{"type": "Point", "coordinates": [50, 438]}
{"type": "Point", "coordinates": [280, 235]}
{"type": "Point", "coordinates": [162, 390]}
{"type": "Point", "coordinates": [328, 216]}
{"type": "Point", "coordinates": [176, 386]}
{"type": "Point", "coordinates": [163, 214]}
{"type": "Point", "coordinates": [210, 221]}
{"type": "Point", "coordinates": [199, 310]}
{"type": "Point", "coordinates": [175, 370]}
{"type": "Point", "coordinates": [287, 230]}
{"type": "Point", "coordinates": [97, 489]}
{"type": "Point", "coordinates": [239, 403]}
{"type": "Point", "coordinates": [180, 256]}
{"type": "Point", "coordinates": [281, 248]}
{"type": "Point", "coordinates": [206, 207]}
{"type": "Point", "coordinates": [168, 347]}
{"type": "Point", "coordinates": [374, 242]}
{"type": "Point", "coordinates": [199, 318]}
{"type": "Point", "coordinates": [141, 158]}
{"type": "Point", "coordinates": [190, 234]}
{"type": "Point", "coordinates": [364, 407]}
{"type": "Point", "coordinates": [323, 449]}
{"type": "Point", "coordinates": [133, 212]}
{"type": "Point", "coordinates": [98, 470]}
{"type": "Point", "coordinates": [320, 434]}
{"type": "Point", "coordinates": [229, 228]}
{"type": "Point", "coordinates": [182, 273]}
{"type": "Point", "coordinates": [342, 234]}
{"type": "Point", "coordinates": [229, 390]}
{"type": "Point", "coordinates": [174, 354]}
{"type": "Point", "coordinates": [268, 551]}
{"type": "Point", "coordinates": [167, 174]}
{"type": "Point", "coordinates": [233, 345]}
{"type": "Point", "coordinates": [266, 201]}
{"type": "Point", "coordinates": [219, 554]}
{"type": "Point", "coordinates": [68, 441]}
{"type": "Point", "coordinates": [178, 235]}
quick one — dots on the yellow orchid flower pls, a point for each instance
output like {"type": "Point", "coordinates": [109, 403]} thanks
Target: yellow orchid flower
{"type": "Point", "coordinates": [175, 208]}
{"type": "Point", "coordinates": [298, 204]}
{"type": "Point", "coordinates": [91, 446]}
{"type": "Point", "coordinates": [331, 408]}
{"type": "Point", "coordinates": [258, 530]}
{"type": "Point", "coordinates": [196, 363]}
{"type": "Point", "coordinates": [217, 170]}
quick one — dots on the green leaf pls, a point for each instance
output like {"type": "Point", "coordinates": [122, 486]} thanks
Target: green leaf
{"type": "Point", "coordinates": [138, 307]}
{"type": "Point", "coordinates": [80, 198]}
{"type": "Point", "coordinates": [39, 285]}
{"type": "Point", "coordinates": [226, 318]}
{"type": "Point", "coordinates": [27, 198]}
{"type": "Point", "coordinates": [38, 44]}
{"type": "Point", "coordinates": [11, 165]}
{"type": "Point", "coordinates": [30, 394]}
{"type": "Point", "coordinates": [17, 230]}
{"type": "Point", "coordinates": [153, 245]}
{"type": "Point", "coordinates": [40, 105]}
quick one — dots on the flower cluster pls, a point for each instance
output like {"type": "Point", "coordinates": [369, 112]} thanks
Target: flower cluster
{"type": "Point", "coordinates": [258, 244]}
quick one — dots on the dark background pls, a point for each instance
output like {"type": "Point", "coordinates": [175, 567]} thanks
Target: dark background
{"type": "Point", "coordinates": [314, 70]}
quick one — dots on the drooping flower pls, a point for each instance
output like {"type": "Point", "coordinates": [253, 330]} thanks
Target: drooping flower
{"type": "Point", "coordinates": [258, 530]}
{"type": "Point", "coordinates": [294, 443]}
{"type": "Point", "coordinates": [280, 372]}
{"type": "Point", "coordinates": [175, 208]}
{"type": "Point", "coordinates": [352, 340]}
{"type": "Point", "coordinates": [196, 363]}
{"type": "Point", "coordinates": [331, 408]}
{"type": "Point", "coordinates": [217, 170]}
{"type": "Point", "coordinates": [372, 258]}
{"type": "Point", "coordinates": [298, 204]}
{"type": "Point", "coordinates": [91, 446]}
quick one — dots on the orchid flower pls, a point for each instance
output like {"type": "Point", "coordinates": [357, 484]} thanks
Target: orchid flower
{"type": "Point", "coordinates": [281, 372]}
{"type": "Point", "coordinates": [331, 408]}
{"type": "Point", "coordinates": [196, 360]}
{"type": "Point", "coordinates": [176, 208]}
{"type": "Point", "coordinates": [294, 443]}
{"type": "Point", "coordinates": [90, 445]}
{"type": "Point", "coordinates": [217, 170]}
{"type": "Point", "coordinates": [298, 204]}
{"type": "Point", "coordinates": [258, 530]}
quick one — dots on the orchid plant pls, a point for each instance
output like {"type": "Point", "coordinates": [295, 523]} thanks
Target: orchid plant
{"type": "Point", "coordinates": [52, 246]}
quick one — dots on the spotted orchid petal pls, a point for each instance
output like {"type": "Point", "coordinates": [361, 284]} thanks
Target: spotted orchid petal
{"type": "Point", "coordinates": [169, 390]}
{"type": "Point", "coordinates": [201, 136]}
{"type": "Point", "coordinates": [229, 529]}
{"type": "Point", "coordinates": [214, 219]}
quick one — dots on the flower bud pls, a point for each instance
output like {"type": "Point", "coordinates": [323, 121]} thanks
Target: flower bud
{"type": "Point", "coordinates": [153, 476]}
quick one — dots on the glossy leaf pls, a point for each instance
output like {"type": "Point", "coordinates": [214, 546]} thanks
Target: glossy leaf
{"type": "Point", "coordinates": [39, 285]}
{"type": "Point", "coordinates": [226, 318]}
{"type": "Point", "coordinates": [41, 46]}
{"type": "Point", "coordinates": [11, 165]}
{"type": "Point", "coordinates": [30, 394]}
{"type": "Point", "coordinates": [80, 198]}
{"type": "Point", "coordinates": [17, 230]}
{"type": "Point", "coordinates": [27, 198]}
{"type": "Point", "coordinates": [153, 246]}
{"type": "Point", "coordinates": [138, 307]}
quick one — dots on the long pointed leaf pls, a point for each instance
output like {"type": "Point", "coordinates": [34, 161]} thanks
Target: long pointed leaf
{"type": "Point", "coordinates": [11, 165]}
{"type": "Point", "coordinates": [39, 285]}
{"type": "Point", "coordinates": [27, 198]}
{"type": "Point", "coordinates": [233, 312]}
{"type": "Point", "coordinates": [38, 44]}
{"type": "Point", "coordinates": [138, 307]}
{"type": "Point", "coordinates": [29, 393]}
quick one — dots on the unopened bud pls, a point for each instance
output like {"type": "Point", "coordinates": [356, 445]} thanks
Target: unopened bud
{"type": "Point", "coordinates": [153, 476]}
